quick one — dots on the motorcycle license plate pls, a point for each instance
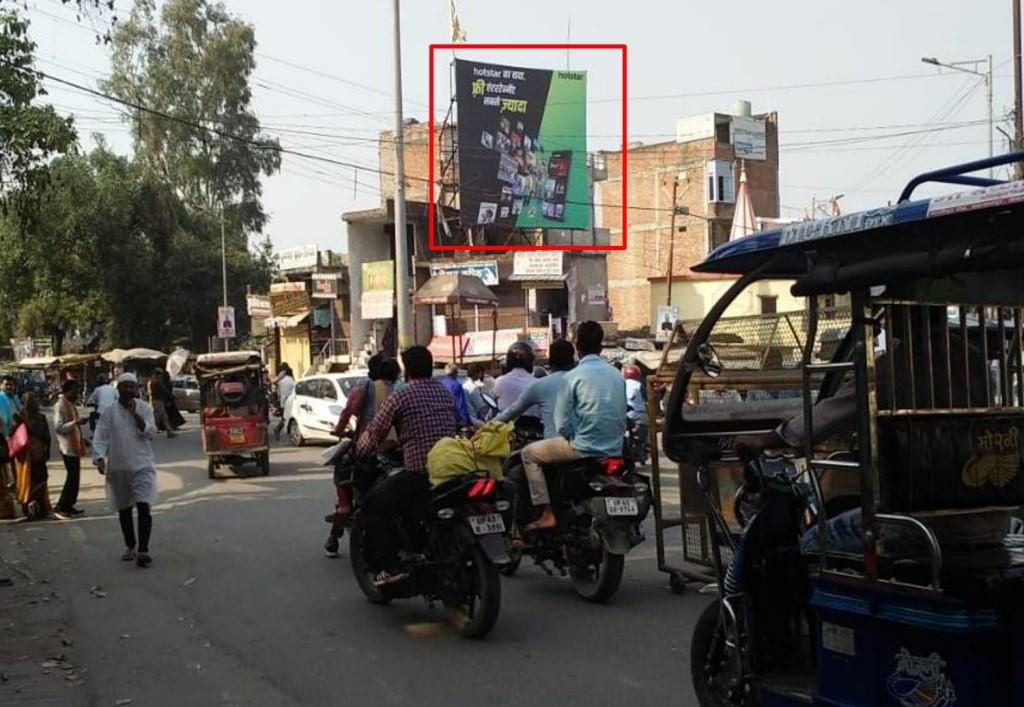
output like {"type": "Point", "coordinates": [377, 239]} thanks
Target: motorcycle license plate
{"type": "Point", "coordinates": [621, 506]}
{"type": "Point", "coordinates": [236, 435]}
{"type": "Point", "coordinates": [486, 525]}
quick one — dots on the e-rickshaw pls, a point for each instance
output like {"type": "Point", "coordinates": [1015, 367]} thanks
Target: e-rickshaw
{"type": "Point", "coordinates": [910, 428]}
{"type": "Point", "coordinates": [234, 409]}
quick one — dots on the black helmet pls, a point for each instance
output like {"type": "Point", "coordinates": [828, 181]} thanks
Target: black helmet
{"type": "Point", "coordinates": [519, 355]}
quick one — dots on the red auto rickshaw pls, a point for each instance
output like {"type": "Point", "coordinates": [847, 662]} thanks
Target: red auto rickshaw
{"type": "Point", "coordinates": [234, 410]}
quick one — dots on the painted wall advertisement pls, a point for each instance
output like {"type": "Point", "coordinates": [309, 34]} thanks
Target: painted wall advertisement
{"type": "Point", "coordinates": [486, 271]}
{"type": "Point", "coordinates": [377, 300]}
{"type": "Point", "coordinates": [748, 138]}
{"type": "Point", "coordinates": [522, 146]}
{"type": "Point", "coordinates": [666, 322]}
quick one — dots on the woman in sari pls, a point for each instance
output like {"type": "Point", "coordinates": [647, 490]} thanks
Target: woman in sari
{"type": "Point", "coordinates": [30, 463]}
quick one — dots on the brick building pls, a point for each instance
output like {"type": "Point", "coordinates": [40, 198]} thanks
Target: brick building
{"type": "Point", "coordinates": [538, 291]}
{"type": "Point", "coordinates": [704, 160]}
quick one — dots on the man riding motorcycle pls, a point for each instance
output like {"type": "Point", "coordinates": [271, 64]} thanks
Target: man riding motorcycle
{"type": "Point", "coordinates": [590, 418]}
{"type": "Point", "coordinates": [422, 413]}
{"type": "Point", "coordinates": [518, 376]}
{"type": "Point", "coordinates": [543, 392]}
{"type": "Point", "coordinates": [362, 404]}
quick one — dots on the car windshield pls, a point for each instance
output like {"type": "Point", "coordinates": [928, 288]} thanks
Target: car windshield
{"type": "Point", "coordinates": [350, 384]}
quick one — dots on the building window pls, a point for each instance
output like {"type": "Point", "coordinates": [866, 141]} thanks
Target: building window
{"type": "Point", "coordinates": [720, 182]}
{"type": "Point", "coordinates": [769, 304]}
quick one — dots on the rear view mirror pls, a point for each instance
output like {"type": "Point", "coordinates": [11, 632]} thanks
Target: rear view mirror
{"type": "Point", "coordinates": [710, 364]}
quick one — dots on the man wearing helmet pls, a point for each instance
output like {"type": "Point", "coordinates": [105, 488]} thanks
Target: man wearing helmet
{"type": "Point", "coordinates": [590, 417]}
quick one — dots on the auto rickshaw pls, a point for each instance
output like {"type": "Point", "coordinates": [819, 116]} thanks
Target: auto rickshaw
{"type": "Point", "coordinates": [234, 409]}
{"type": "Point", "coordinates": [876, 563]}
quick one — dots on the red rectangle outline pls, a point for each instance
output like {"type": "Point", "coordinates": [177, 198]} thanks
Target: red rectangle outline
{"type": "Point", "coordinates": [430, 146]}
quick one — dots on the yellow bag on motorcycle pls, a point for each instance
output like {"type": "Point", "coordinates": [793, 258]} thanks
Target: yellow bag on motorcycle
{"type": "Point", "coordinates": [452, 457]}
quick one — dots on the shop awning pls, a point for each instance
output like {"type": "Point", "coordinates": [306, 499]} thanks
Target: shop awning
{"type": "Point", "coordinates": [140, 354]}
{"type": "Point", "coordinates": [454, 288]}
{"type": "Point", "coordinates": [532, 281]}
{"type": "Point", "coordinates": [37, 362]}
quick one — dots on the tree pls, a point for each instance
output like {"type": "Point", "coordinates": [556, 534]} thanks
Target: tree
{"type": "Point", "coordinates": [191, 69]}
{"type": "Point", "coordinates": [30, 134]}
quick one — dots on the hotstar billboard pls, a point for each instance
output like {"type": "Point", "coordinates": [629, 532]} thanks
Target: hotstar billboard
{"type": "Point", "coordinates": [522, 137]}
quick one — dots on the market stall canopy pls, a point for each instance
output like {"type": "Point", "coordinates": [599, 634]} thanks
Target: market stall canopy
{"type": "Point", "coordinates": [77, 359]}
{"type": "Point", "coordinates": [38, 362]}
{"type": "Point", "coordinates": [454, 288]}
{"type": "Point", "coordinates": [122, 355]}
{"type": "Point", "coordinates": [287, 322]}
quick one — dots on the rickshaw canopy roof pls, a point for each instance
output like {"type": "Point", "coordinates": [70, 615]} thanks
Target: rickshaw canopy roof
{"type": "Point", "coordinates": [227, 359]}
{"type": "Point", "coordinates": [965, 231]}
{"type": "Point", "coordinates": [122, 355]}
{"type": "Point", "coordinates": [37, 362]}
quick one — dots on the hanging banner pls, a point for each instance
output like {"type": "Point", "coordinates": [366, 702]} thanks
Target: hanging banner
{"type": "Point", "coordinates": [226, 322]}
{"type": "Point", "coordinates": [377, 300]}
{"type": "Point", "coordinates": [666, 322]}
{"type": "Point", "coordinates": [288, 299]}
{"type": "Point", "coordinates": [486, 271]}
{"type": "Point", "coordinates": [522, 140]}
{"type": "Point", "coordinates": [748, 138]}
{"type": "Point", "coordinates": [325, 285]}
{"type": "Point", "coordinates": [541, 264]}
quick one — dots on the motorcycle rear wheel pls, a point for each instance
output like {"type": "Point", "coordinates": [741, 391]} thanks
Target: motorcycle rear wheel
{"type": "Point", "coordinates": [598, 584]}
{"type": "Point", "coordinates": [363, 574]}
{"type": "Point", "coordinates": [474, 614]}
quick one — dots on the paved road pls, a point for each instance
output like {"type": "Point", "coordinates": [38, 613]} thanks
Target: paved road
{"type": "Point", "coordinates": [241, 608]}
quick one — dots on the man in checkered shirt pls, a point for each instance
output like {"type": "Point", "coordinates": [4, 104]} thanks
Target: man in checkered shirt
{"type": "Point", "coordinates": [422, 413]}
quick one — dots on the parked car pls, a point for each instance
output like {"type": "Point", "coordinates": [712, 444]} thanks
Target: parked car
{"type": "Point", "coordinates": [186, 393]}
{"type": "Point", "coordinates": [312, 411]}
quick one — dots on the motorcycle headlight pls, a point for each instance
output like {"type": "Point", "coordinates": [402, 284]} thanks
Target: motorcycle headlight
{"type": "Point", "coordinates": [502, 506]}
{"type": "Point", "coordinates": [446, 514]}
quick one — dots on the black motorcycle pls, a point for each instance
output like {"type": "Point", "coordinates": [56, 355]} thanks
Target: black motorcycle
{"type": "Point", "coordinates": [451, 552]}
{"type": "Point", "coordinates": [599, 504]}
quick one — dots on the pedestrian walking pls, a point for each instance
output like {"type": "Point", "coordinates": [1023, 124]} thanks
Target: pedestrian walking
{"type": "Point", "coordinates": [123, 453]}
{"type": "Point", "coordinates": [32, 443]}
{"type": "Point", "coordinates": [9, 403]}
{"type": "Point", "coordinates": [285, 387]}
{"type": "Point", "coordinates": [67, 423]}
{"type": "Point", "coordinates": [159, 394]}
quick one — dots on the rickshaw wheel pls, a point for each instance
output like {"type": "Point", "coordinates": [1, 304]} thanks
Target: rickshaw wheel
{"type": "Point", "coordinates": [677, 583]}
{"type": "Point", "coordinates": [263, 459]}
{"type": "Point", "coordinates": [211, 468]}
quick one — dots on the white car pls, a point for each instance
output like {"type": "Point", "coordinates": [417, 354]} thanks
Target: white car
{"type": "Point", "coordinates": [312, 410]}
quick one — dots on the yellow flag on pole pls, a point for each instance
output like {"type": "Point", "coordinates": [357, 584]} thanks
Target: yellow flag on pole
{"type": "Point", "coordinates": [458, 33]}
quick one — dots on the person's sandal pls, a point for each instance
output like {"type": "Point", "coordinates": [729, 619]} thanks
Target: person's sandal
{"type": "Point", "coordinates": [128, 555]}
{"type": "Point", "coordinates": [143, 559]}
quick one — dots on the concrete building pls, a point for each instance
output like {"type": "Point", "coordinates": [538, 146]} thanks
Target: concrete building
{"type": "Point", "coordinates": [538, 293]}
{"type": "Point", "coordinates": [702, 166]}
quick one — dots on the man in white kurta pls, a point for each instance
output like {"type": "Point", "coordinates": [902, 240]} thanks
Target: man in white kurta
{"type": "Point", "coordinates": [123, 453]}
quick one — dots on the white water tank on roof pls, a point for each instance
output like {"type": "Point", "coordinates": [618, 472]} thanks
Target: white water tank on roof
{"type": "Point", "coordinates": [741, 109]}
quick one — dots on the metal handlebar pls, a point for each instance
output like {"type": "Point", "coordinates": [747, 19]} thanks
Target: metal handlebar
{"type": "Point", "coordinates": [934, 550]}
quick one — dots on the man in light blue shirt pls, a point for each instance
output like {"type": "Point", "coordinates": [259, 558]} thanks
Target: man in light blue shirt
{"type": "Point", "coordinates": [9, 404]}
{"type": "Point", "coordinates": [590, 418]}
{"type": "Point", "coordinates": [543, 393]}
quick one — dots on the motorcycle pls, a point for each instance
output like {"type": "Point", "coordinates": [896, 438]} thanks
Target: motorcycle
{"type": "Point", "coordinates": [599, 505]}
{"type": "Point", "coordinates": [451, 553]}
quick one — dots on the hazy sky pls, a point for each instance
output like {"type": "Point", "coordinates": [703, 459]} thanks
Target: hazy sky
{"type": "Point", "coordinates": [859, 113]}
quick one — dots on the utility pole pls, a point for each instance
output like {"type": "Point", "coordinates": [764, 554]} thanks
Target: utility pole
{"type": "Point", "coordinates": [672, 241]}
{"type": "Point", "coordinates": [224, 265]}
{"type": "Point", "coordinates": [986, 76]}
{"type": "Point", "coordinates": [1018, 109]}
{"type": "Point", "coordinates": [402, 294]}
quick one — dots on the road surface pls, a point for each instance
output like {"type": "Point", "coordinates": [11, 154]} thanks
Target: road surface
{"type": "Point", "coordinates": [240, 607]}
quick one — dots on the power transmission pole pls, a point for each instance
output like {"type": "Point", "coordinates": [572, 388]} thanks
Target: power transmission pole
{"type": "Point", "coordinates": [1018, 118]}
{"type": "Point", "coordinates": [402, 295]}
{"type": "Point", "coordinates": [672, 241]}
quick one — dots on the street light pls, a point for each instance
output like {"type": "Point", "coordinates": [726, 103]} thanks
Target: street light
{"type": "Point", "coordinates": [986, 77]}
{"type": "Point", "coordinates": [223, 259]}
